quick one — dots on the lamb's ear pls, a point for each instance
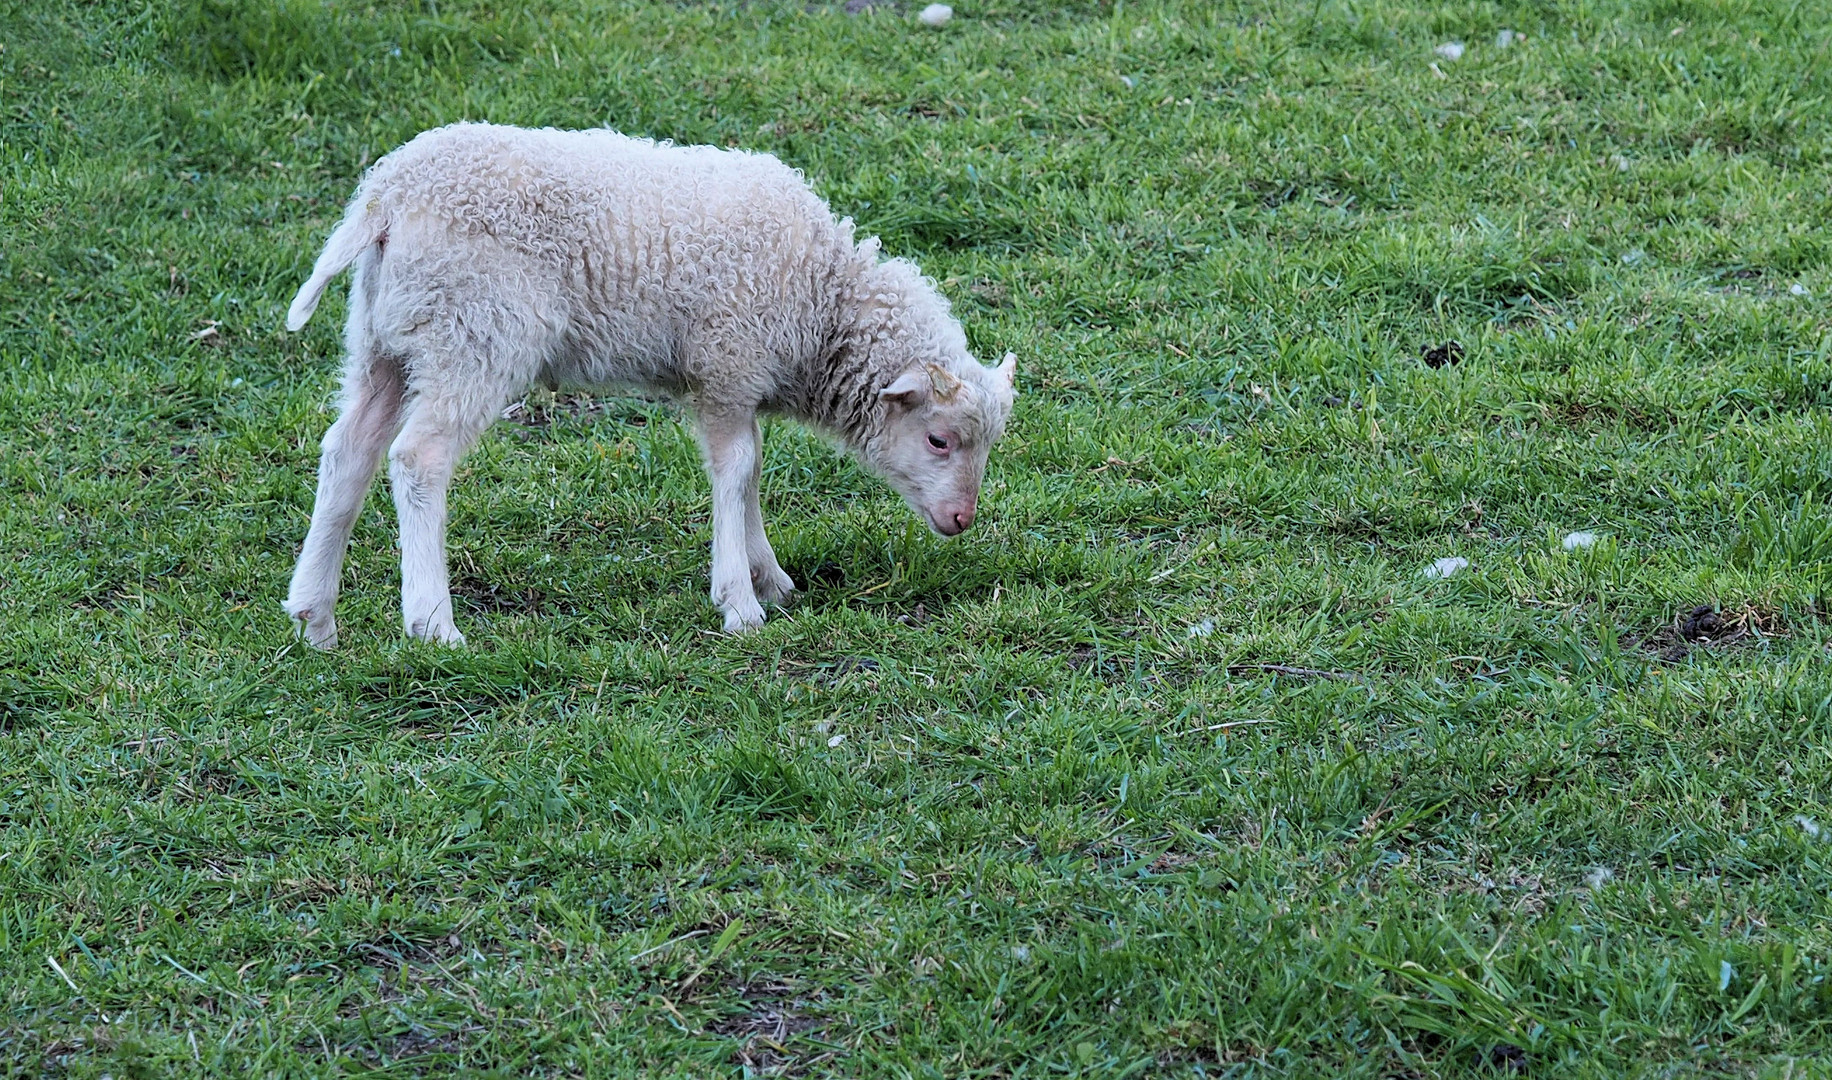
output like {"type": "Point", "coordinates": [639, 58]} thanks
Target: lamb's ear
{"type": "Point", "coordinates": [909, 390]}
{"type": "Point", "coordinates": [943, 382]}
{"type": "Point", "coordinates": [1009, 368]}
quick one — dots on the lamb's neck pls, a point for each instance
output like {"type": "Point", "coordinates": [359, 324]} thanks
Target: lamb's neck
{"type": "Point", "coordinates": [840, 391]}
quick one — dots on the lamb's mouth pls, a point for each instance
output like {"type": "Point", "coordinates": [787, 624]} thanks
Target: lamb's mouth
{"type": "Point", "coordinates": [949, 528]}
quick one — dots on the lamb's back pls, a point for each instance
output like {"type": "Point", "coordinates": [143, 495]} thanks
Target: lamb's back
{"type": "Point", "coordinates": [529, 186]}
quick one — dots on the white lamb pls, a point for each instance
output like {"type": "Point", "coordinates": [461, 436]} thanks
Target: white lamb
{"type": "Point", "coordinates": [491, 258]}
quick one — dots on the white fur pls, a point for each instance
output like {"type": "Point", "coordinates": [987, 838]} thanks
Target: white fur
{"type": "Point", "coordinates": [491, 258]}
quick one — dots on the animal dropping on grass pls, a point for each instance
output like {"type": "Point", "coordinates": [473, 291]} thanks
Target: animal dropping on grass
{"type": "Point", "coordinates": [1449, 354]}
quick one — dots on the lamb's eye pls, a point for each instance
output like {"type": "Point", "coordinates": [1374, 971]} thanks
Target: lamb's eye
{"type": "Point", "coordinates": [938, 442]}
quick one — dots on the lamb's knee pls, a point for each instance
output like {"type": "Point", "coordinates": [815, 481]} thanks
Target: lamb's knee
{"type": "Point", "coordinates": [338, 451]}
{"type": "Point", "coordinates": [410, 458]}
{"type": "Point", "coordinates": [342, 436]}
{"type": "Point", "coordinates": [417, 468]}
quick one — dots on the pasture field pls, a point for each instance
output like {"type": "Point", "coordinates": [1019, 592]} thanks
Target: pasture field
{"type": "Point", "coordinates": [1177, 764]}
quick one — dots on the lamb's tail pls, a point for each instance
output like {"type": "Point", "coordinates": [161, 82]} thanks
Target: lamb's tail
{"type": "Point", "coordinates": [363, 226]}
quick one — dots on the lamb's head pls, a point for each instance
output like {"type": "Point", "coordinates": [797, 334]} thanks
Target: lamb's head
{"type": "Point", "coordinates": [935, 411]}
{"type": "Point", "coordinates": [939, 425]}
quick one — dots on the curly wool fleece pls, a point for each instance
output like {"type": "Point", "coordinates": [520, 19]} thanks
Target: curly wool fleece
{"type": "Point", "coordinates": [489, 258]}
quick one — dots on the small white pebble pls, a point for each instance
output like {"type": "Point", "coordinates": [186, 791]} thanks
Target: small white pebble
{"type": "Point", "coordinates": [1504, 39]}
{"type": "Point", "coordinates": [1126, 80]}
{"type": "Point", "coordinates": [935, 15]}
{"type": "Point", "coordinates": [1576, 540]}
{"type": "Point", "coordinates": [836, 740]}
{"type": "Point", "coordinates": [1807, 825]}
{"type": "Point", "coordinates": [1201, 629]}
{"type": "Point", "coordinates": [1797, 289]}
{"type": "Point", "coordinates": [1598, 877]}
{"type": "Point", "coordinates": [1450, 50]}
{"type": "Point", "coordinates": [1445, 567]}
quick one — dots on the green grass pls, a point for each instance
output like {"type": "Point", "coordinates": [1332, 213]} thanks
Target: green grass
{"type": "Point", "coordinates": [1020, 804]}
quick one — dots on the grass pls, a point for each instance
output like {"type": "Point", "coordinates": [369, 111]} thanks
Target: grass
{"type": "Point", "coordinates": [1031, 803]}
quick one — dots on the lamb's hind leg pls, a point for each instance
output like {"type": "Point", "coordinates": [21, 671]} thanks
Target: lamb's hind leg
{"type": "Point", "coordinates": [771, 584]}
{"type": "Point", "coordinates": [439, 428]}
{"type": "Point", "coordinates": [352, 448]}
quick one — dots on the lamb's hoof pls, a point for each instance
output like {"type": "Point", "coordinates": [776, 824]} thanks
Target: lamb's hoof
{"type": "Point", "coordinates": [772, 585]}
{"type": "Point", "coordinates": [743, 620]}
{"type": "Point", "coordinates": [440, 632]}
{"type": "Point", "coordinates": [319, 631]}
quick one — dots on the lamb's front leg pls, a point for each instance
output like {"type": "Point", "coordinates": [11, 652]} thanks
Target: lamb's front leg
{"type": "Point", "coordinates": [732, 454]}
{"type": "Point", "coordinates": [772, 585]}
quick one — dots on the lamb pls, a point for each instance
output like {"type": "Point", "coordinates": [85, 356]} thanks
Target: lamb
{"type": "Point", "coordinates": [489, 258]}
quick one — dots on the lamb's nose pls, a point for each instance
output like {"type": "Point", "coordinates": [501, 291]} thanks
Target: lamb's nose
{"type": "Point", "coordinates": [963, 518]}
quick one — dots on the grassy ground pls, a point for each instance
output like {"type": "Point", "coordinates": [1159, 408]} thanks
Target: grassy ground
{"type": "Point", "coordinates": [1028, 803]}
